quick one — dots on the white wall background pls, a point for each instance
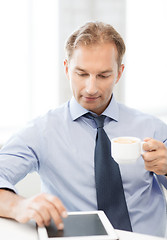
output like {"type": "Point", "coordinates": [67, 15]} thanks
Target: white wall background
{"type": "Point", "coordinates": [146, 63]}
{"type": "Point", "coordinates": [28, 61]}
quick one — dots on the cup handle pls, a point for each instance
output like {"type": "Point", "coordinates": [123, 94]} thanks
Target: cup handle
{"type": "Point", "coordinates": [142, 150]}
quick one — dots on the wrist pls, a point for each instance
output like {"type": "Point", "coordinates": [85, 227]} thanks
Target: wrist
{"type": "Point", "coordinates": [15, 206]}
{"type": "Point", "coordinates": [7, 203]}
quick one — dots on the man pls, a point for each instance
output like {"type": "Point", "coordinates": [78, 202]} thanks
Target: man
{"type": "Point", "coordinates": [60, 145]}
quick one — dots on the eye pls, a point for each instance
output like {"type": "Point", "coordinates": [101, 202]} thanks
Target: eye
{"type": "Point", "coordinates": [104, 76]}
{"type": "Point", "coordinates": [82, 74]}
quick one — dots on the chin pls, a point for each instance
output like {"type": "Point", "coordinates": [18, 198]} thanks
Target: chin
{"type": "Point", "coordinates": [88, 106]}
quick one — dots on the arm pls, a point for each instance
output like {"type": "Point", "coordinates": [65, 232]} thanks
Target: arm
{"type": "Point", "coordinates": [40, 208]}
{"type": "Point", "coordinates": [156, 156]}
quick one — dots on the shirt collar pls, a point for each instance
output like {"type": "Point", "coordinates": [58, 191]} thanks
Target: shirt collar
{"type": "Point", "coordinates": [76, 110]}
{"type": "Point", "coordinates": [112, 111]}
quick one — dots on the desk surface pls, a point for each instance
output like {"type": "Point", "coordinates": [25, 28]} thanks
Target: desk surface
{"type": "Point", "coordinates": [10, 229]}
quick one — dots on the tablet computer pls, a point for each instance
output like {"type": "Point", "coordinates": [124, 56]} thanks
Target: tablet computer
{"type": "Point", "coordinates": [81, 225]}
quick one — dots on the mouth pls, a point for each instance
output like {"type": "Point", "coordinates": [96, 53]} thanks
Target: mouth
{"type": "Point", "coordinates": [90, 99]}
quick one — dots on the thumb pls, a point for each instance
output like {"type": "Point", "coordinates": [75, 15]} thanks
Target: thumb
{"type": "Point", "coordinates": [147, 139]}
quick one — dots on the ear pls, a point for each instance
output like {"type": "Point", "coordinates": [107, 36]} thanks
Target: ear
{"type": "Point", "coordinates": [66, 67]}
{"type": "Point", "coordinates": [120, 71]}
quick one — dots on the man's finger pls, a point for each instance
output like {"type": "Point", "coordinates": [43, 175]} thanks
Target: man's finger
{"type": "Point", "coordinates": [150, 145]}
{"type": "Point", "coordinates": [58, 205]}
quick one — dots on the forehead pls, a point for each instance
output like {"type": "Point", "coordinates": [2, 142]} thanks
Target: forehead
{"type": "Point", "coordinates": [96, 56]}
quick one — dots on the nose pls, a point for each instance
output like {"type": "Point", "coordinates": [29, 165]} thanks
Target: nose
{"type": "Point", "coordinates": [91, 85]}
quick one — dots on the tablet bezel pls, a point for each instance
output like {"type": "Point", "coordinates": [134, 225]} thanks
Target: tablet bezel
{"type": "Point", "coordinates": [42, 232]}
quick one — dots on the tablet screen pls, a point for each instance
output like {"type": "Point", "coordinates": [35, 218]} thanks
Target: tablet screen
{"type": "Point", "coordinates": [78, 225]}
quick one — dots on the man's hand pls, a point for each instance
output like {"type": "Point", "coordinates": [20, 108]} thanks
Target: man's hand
{"type": "Point", "coordinates": [40, 208]}
{"type": "Point", "coordinates": [155, 156]}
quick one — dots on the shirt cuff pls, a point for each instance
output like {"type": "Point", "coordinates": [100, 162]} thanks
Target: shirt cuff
{"type": "Point", "coordinates": [4, 184]}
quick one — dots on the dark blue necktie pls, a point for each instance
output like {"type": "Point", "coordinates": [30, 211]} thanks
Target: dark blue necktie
{"type": "Point", "coordinates": [110, 193]}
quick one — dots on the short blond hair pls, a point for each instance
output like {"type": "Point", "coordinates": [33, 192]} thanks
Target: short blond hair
{"type": "Point", "coordinates": [95, 33]}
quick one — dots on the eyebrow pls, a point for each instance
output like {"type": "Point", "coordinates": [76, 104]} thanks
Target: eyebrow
{"type": "Point", "coordinates": [107, 71]}
{"type": "Point", "coordinates": [80, 69]}
{"type": "Point", "coordinates": [103, 72]}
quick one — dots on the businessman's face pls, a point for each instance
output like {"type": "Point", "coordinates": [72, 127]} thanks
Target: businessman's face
{"type": "Point", "coordinates": [93, 72]}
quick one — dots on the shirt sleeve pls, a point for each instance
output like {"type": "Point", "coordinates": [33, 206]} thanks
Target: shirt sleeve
{"type": "Point", "coordinates": [19, 157]}
{"type": "Point", "coordinates": [160, 131]}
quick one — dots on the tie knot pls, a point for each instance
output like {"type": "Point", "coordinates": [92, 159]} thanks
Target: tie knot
{"type": "Point", "coordinates": [99, 121]}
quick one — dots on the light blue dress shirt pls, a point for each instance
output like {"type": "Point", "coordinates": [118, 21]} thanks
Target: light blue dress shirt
{"type": "Point", "coordinates": [60, 147]}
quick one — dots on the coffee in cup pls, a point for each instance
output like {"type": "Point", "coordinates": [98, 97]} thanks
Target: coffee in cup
{"type": "Point", "coordinates": [126, 149]}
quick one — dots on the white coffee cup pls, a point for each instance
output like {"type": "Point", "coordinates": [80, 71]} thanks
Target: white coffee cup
{"type": "Point", "coordinates": [126, 149]}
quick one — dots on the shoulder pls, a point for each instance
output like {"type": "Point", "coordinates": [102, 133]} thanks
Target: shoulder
{"type": "Point", "coordinates": [143, 120]}
{"type": "Point", "coordinates": [46, 122]}
{"type": "Point", "coordinates": [132, 113]}
{"type": "Point", "coordinates": [53, 115]}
